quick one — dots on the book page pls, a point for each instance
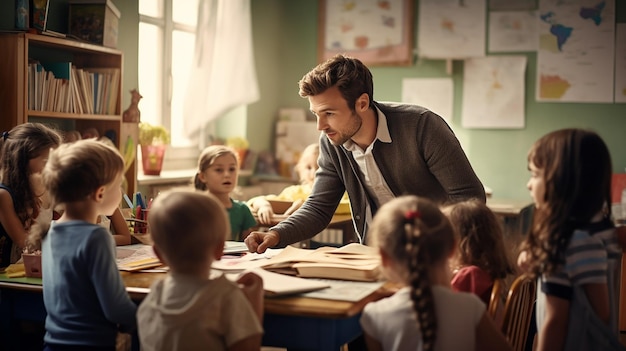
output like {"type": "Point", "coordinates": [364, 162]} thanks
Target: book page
{"type": "Point", "coordinates": [343, 290]}
{"type": "Point", "coordinates": [275, 284]}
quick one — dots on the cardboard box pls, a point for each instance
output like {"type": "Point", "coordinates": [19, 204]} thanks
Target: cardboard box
{"type": "Point", "coordinates": [95, 21]}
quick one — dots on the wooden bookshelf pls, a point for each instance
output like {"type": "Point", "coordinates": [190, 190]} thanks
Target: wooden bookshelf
{"type": "Point", "coordinates": [18, 48]}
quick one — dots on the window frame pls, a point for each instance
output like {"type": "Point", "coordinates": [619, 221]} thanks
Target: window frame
{"type": "Point", "coordinates": [177, 157]}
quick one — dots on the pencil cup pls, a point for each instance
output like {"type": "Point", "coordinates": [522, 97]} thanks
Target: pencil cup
{"type": "Point", "coordinates": [32, 265]}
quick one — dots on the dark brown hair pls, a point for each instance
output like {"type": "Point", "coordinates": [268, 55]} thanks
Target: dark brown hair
{"type": "Point", "coordinates": [20, 145]}
{"type": "Point", "coordinates": [576, 167]}
{"type": "Point", "coordinates": [349, 75]}
{"type": "Point", "coordinates": [481, 238]}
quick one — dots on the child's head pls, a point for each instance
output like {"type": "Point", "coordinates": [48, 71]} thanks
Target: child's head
{"type": "Point", "coordinates": [570, 173]}
{"type": "Point", "coordinates": [415, 238]}
{"type": "Point", "coordinates": [307, 164]}
{"type": "Point", "coordinates": [218, 168]}
{"type": "Point", "coordinates": [78, 170]}
{"type": "Point", "coordinates": [188, 229]}
{"type": "Point", "coordinates": [570, 183]}
{"type": "Point", "coordinates": [481, 238]}
{"type": "Point", "coordinates": [25, 150]}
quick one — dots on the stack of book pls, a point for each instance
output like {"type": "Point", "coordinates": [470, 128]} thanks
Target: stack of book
{"type": "Point", "coordinates": [350, 262]}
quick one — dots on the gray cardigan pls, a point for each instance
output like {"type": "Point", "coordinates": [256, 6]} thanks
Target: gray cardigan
{"type": "Point", "coordinates": [424, 159]}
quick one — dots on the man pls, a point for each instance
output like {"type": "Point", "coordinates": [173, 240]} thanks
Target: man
{"type": "Point", "coordinates": [375, 151]}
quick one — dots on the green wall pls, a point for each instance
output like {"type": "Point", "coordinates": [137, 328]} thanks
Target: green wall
{"type": "Point", "coordinates": [285, 45]}
{"type": "Point", "coordinates": [289, 49]}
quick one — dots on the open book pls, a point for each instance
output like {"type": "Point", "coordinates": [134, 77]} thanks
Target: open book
{"type": "Point", "coordinates": [350, 262]}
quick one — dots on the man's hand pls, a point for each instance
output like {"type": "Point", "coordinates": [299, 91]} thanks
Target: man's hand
{"type": "Point", "coordinates": [261, 241]}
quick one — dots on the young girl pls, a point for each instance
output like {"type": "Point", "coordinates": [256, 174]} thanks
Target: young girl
{"type": "Point", "coordinates": [305, 169]}
{"type": "Point", "coordinates": [85, 299]}
{"type": "Point", "coordinates": [24, 152]}
{"type": "Point", "coordinates": [217, 173]}
{"type": "Point", "coordinates": [416, 240]}
{"type": "Point", "coordinates": [572, 247]}
{"type": "Point", "coordinates": [187, 310]}
{"type": "Point", "coordinates": [481, 258]}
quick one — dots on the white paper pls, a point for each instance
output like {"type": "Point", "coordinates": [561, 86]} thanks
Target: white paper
{"type": "Point", "coordinates": [343, 290]}
{"type": "Point", "coordinates": [451, 28]}
{"type": "Point", "coordinates": [513, 31]}
{"type": "Point", "coordinates": [493, 92]}
{"type": "Point", "coordinates": [620, 63]}
{"type": "Point", "coordinates": [575, 59]}
{"type": "Point", "coordinates": [436, 94]}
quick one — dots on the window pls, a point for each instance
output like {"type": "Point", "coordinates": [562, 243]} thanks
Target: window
{"type": "Point", "coordinates": [166, 48]}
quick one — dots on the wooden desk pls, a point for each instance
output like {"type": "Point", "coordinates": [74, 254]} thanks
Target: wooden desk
{"type": "Point", "coordinates": [292, 322]}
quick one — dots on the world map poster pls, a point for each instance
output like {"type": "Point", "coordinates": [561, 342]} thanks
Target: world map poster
{"type": "Point", "coordinates": [575, 60]}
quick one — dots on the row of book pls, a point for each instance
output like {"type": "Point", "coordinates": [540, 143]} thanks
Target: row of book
{"type": "Point", "coordinates": [62, 87]}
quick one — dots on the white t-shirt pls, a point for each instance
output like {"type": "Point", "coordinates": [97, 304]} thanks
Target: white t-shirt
{"type": "Point", "coordinates": [185, 313]}
{"type": "Point", "coordinates": [392, 320]}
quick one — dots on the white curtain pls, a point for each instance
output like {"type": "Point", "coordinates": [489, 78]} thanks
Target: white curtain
{"type": "Point", "coordinates": [223, 75]}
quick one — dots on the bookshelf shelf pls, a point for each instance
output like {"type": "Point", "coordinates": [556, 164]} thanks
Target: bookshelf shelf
{"type": "Point", "coordinates": [66, 115]}
{"type": "Point", "coordinates": [22, 52]}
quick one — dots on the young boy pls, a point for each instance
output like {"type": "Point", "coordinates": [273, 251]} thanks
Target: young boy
{"type": "Point", "coordinates": [83, 292]}
{"type": "Point", "coordinates": [187, 310]}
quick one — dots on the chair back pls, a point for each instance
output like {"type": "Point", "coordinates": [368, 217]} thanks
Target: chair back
{"type": "Point", "coordinates": [518, 311]}
{"type": "Point", "coordinates": [495, 299]}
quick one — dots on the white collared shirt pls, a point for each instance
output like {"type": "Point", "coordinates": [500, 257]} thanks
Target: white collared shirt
{"type": "Point", "coordinates": [374, 182]}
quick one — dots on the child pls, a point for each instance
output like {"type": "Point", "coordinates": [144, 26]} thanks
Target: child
{"type": "Point", "coordinates": [416, 240]}
{"type": "Point", "coordinates": [25, 150]}
{"type": "Point", "coordinates": [187, 310]}
{"type": "Point", "coordinates": [305, 169]}
{"type": "Point", "coordinates": [84, 296]}
{"type": "Point", "coordinates": [572, 247]}
{"type": "Point", "coordinates": [482, 258]}
{"type": "Point", "coordinates": [217, 173]}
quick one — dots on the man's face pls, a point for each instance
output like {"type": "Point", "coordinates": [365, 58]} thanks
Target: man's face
{"type": "Point", "coordinates": [334, 117]}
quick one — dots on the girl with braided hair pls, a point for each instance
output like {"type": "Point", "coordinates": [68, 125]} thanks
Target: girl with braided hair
{"type": "Point", "coordinates": [416, 241]}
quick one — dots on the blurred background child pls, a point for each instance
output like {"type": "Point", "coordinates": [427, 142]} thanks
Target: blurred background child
{"type": "Point", "coordinates": [24, 152]}
{"type": "Point", "coordinates": [305, 169]}
{"type": "Point", "coordinates": [481, 258]}
{"type": "Point", "coordinates": [218, 170]}
{"type": "Point", "coordinates": [187, 310]}
{"type": "Point", "coordinates": [85, 299]}
{"type": "Point", "coordinates": [572, 247]}
{"type": "Point", "coordinates": [416, 241]}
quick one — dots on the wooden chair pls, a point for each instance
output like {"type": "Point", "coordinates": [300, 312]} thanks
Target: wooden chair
{"type": "Point", "coordinates": [495, 299]}
{"type": "Point", "coordinates": [518, 311]}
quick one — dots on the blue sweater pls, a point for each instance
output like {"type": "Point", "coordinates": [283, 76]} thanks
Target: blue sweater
{"type": "Point", "coordinates": [83, 291]}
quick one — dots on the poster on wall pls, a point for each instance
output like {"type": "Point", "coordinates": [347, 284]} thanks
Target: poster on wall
{"type": "Point", "coordinates": [493, 92]}
{"type": "Point", "coordinates": [575, 58]}
{"type": "Point", "coordinates": [451, 29]}
{"type": "Point", "coordinates": [512, 31]}
{"type": "Point", "coordinates": [376, 32]}
{"type": "Point", "coordinates": [436, 94]}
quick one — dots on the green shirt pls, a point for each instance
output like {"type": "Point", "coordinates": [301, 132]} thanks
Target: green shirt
{"type": "Point", "coordinates": [240, 219]}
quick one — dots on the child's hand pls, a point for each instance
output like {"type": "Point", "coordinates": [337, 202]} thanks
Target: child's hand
{"type": "Point", "coordinates": [252, 287]}
{"type": "Point", "coordinates": [265, 214]}
{"type": "Point", "coordinates": [294, 206]}
{"type": "Point", "coordinates": [523, 261]}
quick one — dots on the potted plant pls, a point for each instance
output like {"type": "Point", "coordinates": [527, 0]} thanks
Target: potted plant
{"type": "Point", "coordinates": [153, 140]}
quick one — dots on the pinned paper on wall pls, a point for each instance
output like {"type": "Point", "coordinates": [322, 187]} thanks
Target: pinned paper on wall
{"type": "Point", "coordinates": [291, 139]}
{"type": "Point", "coordinates": [436, 94]}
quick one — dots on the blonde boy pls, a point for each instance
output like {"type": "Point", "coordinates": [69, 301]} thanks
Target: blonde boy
{"type": "Point", "coordinates": [85, 298]}
{"type": "Point", "coordinates": [187, 310]}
